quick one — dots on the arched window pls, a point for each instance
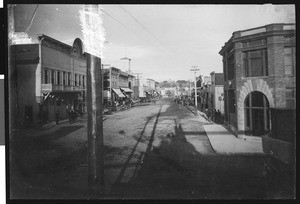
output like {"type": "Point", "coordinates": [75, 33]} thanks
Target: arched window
{"type": "Point", "coordinates": [256, 114]}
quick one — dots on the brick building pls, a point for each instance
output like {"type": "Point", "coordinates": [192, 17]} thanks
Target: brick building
{"type": "Point", "coordinates": [116, 85]}
{"type": "Point", "coordinates": [259, 74]}
{"type": "Point", "coordinates": [49, 76]}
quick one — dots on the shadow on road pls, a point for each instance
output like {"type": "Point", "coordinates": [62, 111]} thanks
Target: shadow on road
{"type": "Point", "coordinates": [40, 161]}
{"type": "Point", "coordinates": [176, 170]}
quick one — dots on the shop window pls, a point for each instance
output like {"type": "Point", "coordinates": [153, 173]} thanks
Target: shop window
{"type": "Point", "coordinates": [289, 61]}
{"type": "Point", "coordinates": [46, 76]}
{"type": "Point", "coordinates": [69, 78]}
{"type": "Point", "coordinates": [76, 78]}
{"type": "Point", "coordinates": [230, 68]}
{"type": "Point", "coordinates": [52, 77]}
{"type": "Point", "coordinates": [255, 63]}
{"type": "Point", "coordinates": [64, 78]}
{"type": "Point", "coordinates": [58, 77]}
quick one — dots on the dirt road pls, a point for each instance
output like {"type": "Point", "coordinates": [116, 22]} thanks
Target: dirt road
{"type": "Point", "coordinates": [153, 151]}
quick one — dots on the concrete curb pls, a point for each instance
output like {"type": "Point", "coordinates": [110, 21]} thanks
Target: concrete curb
{"type": "Point", "coordinates": [223, 142]}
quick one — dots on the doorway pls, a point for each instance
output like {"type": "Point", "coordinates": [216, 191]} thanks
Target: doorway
{"type": "Point", "coordinates": [256, 114]}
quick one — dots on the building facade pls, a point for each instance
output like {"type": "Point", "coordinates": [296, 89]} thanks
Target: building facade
{"type": "Point", "coordinates": [117, 85]}
{"type": "Point", "coordinates": [259, 72]}
{"type": "Point", "coordinates": [50, 76]}
{"type": "Point", "coordinates": [217, 91]}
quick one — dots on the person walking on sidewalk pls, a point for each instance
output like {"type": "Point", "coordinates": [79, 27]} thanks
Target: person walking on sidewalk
{"type": "Point", "coordinates": [218, 116]}
{"type": "Point", "coordinates": [214, 114]}
{"type": "Point", "coordinates": [57, 117]}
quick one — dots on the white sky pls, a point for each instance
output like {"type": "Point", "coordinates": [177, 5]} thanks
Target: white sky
{"type": "Point", "coordinates": [169, 39]}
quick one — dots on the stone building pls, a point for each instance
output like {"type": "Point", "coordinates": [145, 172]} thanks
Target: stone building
{"type": "Point", "coordinates": [48, 76]}
{"type": "Point", "coordinates": [259, 73]}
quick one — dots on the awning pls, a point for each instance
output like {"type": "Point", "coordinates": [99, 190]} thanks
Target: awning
{"type": "Point", "coordinates": [127, 90]}
{"type": "Point", "coordinates": [119, 93]}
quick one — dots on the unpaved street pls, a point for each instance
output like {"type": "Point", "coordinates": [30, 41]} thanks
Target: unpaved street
{"type": "Point", "coordinates": [153, 151]}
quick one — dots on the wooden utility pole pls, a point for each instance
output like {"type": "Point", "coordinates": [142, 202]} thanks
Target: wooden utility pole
{"type": "Point", "coordinates": [95, 127]}
{"type": "Point", "coordinates": [195, 69]}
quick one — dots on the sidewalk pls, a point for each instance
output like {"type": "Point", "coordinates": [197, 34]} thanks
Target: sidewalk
{"type": "Point", "coordinates": [224, 142]}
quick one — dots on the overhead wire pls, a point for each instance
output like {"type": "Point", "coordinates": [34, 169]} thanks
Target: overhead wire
{"type": "Point", "coordinates": [141, 37]}
{"type": "Point", "coordinates": [136, 20]}
{"type": "Point", "coordinates": [128, 28]}
{"type": "Point", "coordinates": [140, 23]}
{"type": "Point", "coordinates": [32, 17]}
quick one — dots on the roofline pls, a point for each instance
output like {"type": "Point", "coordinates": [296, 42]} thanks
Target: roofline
{"type": "Point", "coordinates": [254, 28]}
{"type": "Point", "coordinates": [230, 41]}
{"type": "Point", "coordinates": [52, 39]}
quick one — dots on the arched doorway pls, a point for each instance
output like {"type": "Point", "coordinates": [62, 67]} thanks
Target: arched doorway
{"type": "Point", "coordinates": [256, 114]}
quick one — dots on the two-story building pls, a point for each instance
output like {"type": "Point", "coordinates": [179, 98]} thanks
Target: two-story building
{"type": "Point", "coordinates": [111, 87]}
{"type": "Point", "coordinates": [124, 83]}
{"type": "Point", "coordinates": [259, 73]}
{"type": "Point", "coordinates": [49, 76]}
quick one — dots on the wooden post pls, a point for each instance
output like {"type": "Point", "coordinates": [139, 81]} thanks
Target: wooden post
{"type": "Point", "coordinates": [95, 127]}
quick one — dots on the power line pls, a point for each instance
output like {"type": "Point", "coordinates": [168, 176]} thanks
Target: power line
{"type": "Point", "coordinates": [128, 28]}
{"type": "Point", "coordinates": [174, 55]}
{"type": "Point", "coordinates": [140, 23]}
{"type": "Point", "coordinates": [33, 15]}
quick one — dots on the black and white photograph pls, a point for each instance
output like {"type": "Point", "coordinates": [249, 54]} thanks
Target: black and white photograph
{"type": "Point", "coordinates": [151, 101]}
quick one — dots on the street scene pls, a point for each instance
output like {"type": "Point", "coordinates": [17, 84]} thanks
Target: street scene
{"type": "Point", "coordinates": [113, 102]}
{"type": "Point", "coordinates": [153, 151]}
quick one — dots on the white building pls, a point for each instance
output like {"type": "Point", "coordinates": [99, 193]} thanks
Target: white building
{"type": "Point", "coordinates": [217, 91]}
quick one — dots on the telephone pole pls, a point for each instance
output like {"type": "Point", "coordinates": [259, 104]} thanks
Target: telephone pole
{"type": "Point", "coordinates": [95, 126]}
{"type": "Point", "coordinates": [92, 30]}
{"type": "Point", "coordinates": [195, 69]}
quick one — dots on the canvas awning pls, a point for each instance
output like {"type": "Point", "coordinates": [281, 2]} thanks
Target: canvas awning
{"type": "Point", "coordinates": [126, 90]}
{"type": "Point", "coordinates": [119, 93]}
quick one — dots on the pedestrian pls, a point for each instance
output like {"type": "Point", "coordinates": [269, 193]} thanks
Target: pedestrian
{"type": "Point", "coordinates": [57, 117]}
{"type": "Point", "coordinates": [208, 114]}
{"type": "Point", "coordinates": [70, 115]}
{"type": "Point", "coordinates": [74, 115]}
{"type": "Point", "coordinates": [218, 116]}
{"type": "Point", "coordinates": [214, 114]}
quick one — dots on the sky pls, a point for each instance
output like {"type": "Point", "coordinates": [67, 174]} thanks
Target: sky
{"type": "Point", "coordinates": [162, 41]}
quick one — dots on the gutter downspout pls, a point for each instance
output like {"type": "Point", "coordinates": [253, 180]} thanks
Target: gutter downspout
{"type": "Point", "coordinates": [39, 81]}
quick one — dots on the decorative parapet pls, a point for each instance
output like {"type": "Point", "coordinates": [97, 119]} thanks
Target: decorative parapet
{"type": "Point", "coordinates": [253, 31]}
